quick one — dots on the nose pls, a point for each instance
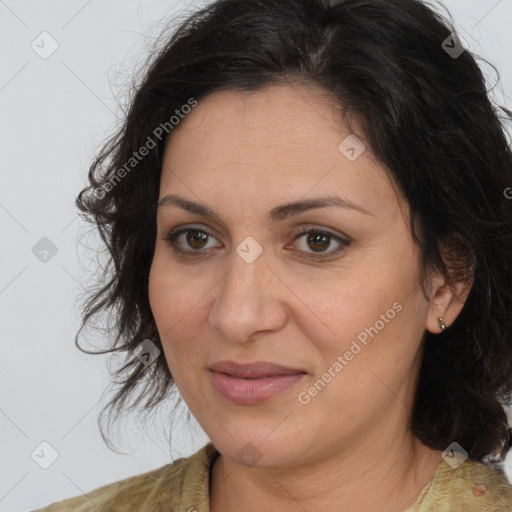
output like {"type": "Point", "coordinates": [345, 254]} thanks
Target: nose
{"type": "Point", "coordinates": [250, 299]}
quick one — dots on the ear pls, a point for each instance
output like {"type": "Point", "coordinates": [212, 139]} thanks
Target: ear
{"type": "Point", "coordinates": [447, 301]}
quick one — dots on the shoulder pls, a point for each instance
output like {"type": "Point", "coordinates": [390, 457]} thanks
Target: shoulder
{"type": "Point", "coordinates": [182, 483]}
{"type": "Point", "coordinates": [473, 487]}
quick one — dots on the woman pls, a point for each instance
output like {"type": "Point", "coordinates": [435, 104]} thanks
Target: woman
{"type": "Point", "coordinates": [307, 213]}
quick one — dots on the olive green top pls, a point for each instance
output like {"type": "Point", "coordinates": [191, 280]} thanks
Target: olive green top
{"type": "Point", "coordinates": [183, 486]}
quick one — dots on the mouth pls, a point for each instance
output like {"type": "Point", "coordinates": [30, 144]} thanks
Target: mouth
{"type": "Point", "coordinates": [255, 370]}
{"type": "Point", "coordinates": [253, 383]}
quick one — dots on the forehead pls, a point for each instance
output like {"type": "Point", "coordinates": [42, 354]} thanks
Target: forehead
{"type": "Point", "coordinates": [284, 114]}
{"type": "Point", "coordinates": [282, 138]}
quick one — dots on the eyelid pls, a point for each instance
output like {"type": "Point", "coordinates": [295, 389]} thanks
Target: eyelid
{"type": "Point", "coordinates": [342, 239]}
{"type": "Point", "coordinates": [173, 233]}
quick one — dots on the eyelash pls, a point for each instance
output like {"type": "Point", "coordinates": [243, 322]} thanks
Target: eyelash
{"type": "Point", "coordinates": [173, 235]}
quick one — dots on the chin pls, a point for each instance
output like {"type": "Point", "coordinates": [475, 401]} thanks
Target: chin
{"type": "Point", "coordinates": [258, 448]}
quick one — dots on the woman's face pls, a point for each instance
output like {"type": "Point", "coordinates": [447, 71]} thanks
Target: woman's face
{"type": "Point", "coordinates": [346, 314]}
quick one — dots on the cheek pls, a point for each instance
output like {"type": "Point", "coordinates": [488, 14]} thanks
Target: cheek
{"type": "Point", "coordinates": [161, 295]}
{"type": "Point", "coordinates": [369, 360]}
{"type": "Point", "coordinates": [374, 316]}
{"type": "Point", "coordinates": [170, 303]}
{"type": "Point", "coordinates": [170, 295]}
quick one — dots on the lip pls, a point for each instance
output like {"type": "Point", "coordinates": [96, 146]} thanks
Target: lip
{"type": "Point", "coordinates": [253, 383]}
{"type": "Point", "coordinates": [254, 370]}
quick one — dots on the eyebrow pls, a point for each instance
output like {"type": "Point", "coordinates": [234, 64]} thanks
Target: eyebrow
{"type": "Point", "coordinates": [276, 214]}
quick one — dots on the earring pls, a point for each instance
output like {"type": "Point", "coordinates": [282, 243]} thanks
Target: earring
{"type": "Point", "coordinates": [442, 325]}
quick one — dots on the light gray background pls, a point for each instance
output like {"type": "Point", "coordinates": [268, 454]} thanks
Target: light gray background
{"type": "Point", "coordinates": [55, 113]}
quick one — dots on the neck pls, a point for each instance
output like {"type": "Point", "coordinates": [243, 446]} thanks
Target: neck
{"type": "Point", "coordinates": [387, 475]}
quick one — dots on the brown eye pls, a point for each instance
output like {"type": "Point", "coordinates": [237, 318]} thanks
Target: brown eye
{"type": "Point", "coordinates": [195, 239]}
{"type": "Point", "coordinates": [319, 241]}
{"type": "Point", "coordinates": [191, 241]}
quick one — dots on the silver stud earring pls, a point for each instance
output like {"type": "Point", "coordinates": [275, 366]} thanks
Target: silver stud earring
{"type": "Point", "coordinates": [442, 325]}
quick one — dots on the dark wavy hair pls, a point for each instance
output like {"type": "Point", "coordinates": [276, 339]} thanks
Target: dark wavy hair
{"type": "Point", "coordinates": [427, 117]}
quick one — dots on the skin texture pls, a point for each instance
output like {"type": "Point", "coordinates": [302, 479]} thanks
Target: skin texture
{"type": "Point", "coordinates": [243, 154]}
